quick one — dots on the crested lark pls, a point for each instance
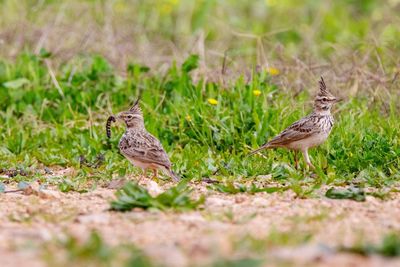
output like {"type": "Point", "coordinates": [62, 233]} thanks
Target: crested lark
{"type": "Point", "coordinates": [309, 131]}
{"type": "Point", "coordinates": [141, 148]}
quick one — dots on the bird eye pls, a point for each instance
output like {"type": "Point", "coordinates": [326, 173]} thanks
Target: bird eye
{"type": "Point", "coordinates": [324, 99]}
{"type": "Point", "coordinates": [129, 116]}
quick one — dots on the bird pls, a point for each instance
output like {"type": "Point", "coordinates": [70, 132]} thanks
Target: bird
{"type": "Point", "coordinates": [310, 131]}
{"type": "Point", "coordinates": [140, 147]}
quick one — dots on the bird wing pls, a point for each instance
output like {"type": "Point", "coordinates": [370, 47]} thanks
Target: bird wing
{"type": "Point", "coordinates": [299, 130]}
{"type": "Point", "coordinates": [144, 147]}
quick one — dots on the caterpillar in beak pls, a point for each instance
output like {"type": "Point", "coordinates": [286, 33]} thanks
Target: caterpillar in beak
{"type": "Point", "coordinates": [108, 125]}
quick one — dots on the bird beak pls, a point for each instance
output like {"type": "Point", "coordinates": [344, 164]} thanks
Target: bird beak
{"type": "Point", "coordinates": [119, 116]}
{"type": "Point", "coordinates": [338, 99]}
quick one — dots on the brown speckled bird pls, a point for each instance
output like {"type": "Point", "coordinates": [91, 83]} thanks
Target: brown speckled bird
{"type": "Point", "coordinates": [141, 148]}
{"type": "Point", "coordinates": [309, 131]}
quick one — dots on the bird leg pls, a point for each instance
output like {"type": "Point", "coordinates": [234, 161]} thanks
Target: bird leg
{"type": "Point", "coordinates": [143, 175]}
{"type": "Point", "coordinates": [307, 158]}
{"type": "Point", "coordinates": [296, 161]}
{"type": "Point", "coordinates": [155, 174]}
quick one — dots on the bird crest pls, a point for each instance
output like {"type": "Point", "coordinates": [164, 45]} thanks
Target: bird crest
{"type": "Point", "coordinates": [136, 108]}
{"type": "Point", "coordinates": [323, 91]}
{"type": "Point", "coordinates": [322, 86]}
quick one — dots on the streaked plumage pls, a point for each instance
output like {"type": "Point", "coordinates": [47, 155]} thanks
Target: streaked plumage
{"type": "Point", "coordinates": [141, 148]}
{"type": "Point", "coordinates": [309, 131]}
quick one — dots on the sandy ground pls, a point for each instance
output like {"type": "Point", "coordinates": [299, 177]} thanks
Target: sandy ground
{"type": "Point", "coordinates": [200, 237]}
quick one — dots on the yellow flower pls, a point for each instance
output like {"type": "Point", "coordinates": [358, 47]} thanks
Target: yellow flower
{"type": "Point", "coordinates": [273, 71]}
{"type": "Point", "coordinates": [174, 2]}
{"type": "Point", "coordinates": [271, 2]}
{"type": "Point", "coordinates": [256, 92]}
{"type": "Point", "coordinates": [188, 118]}
{"type": "Point", "coordinates": [212, 101]}
{"type": "Point", "coordinates": [165, 8]}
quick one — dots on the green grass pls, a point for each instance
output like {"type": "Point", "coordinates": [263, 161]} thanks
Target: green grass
{"type": "Point", "coordinates": [43, 126]}
{"type": "Point", "coordinates": [176, 198]}
{"type": "Point", "coordinates": [245, 262]}
{"type": "Point", "coordinates": [93, 252]}
{"type": "Point", "coordinates": [389, 247]}
{"type": "Point", "coordinates": [254, 32]}
{"type": "Point", "coordinates": [247, 250]}
{"type": "Point", "coordinates": [231, 188]}
{"type": "Point", "coordinates": [47, 123]}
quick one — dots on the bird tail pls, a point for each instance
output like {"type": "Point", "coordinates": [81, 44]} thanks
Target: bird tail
{"type": "Point", "coordinates": [265, 146]}
{"type": "Point", "coordinates": [172, 174]}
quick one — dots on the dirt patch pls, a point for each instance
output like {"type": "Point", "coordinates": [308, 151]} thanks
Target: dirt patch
{"type": "Point", "coordinates": [228, 225]}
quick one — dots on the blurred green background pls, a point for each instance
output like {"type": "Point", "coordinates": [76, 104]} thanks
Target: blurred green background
{"type": "Point", "coordinates": [248, 32]}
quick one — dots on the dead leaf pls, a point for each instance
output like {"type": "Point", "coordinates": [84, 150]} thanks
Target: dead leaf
{"type": "Point", "coordinates": [35, 189]}
{"type": "Point", "coordinates": [116, 183]}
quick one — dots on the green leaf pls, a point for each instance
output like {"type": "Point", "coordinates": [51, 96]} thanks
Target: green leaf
{"type": "Point", "coordinates": [230, 188]}
{"type": "Point", "coordinates": [246, 262]}
{"type": "Point", "coordinates": [15, 84]}
{"type": "Point", "coordinates": [134, 196]}
{"type": "Point", "coordinates": [137, 68]}
{"type": "Point", "coordinates": [389, 247]}
{"type": "Point", "coordinates": [191, 63]}
{"type": "Point", "coordinates": [44, 53]}
{"type": "Point", "coordinates": [356, 194]}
